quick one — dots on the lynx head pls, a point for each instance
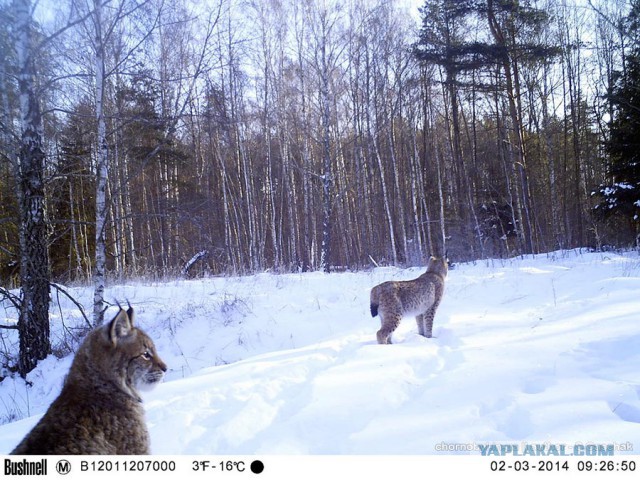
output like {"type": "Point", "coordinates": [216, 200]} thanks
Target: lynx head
{"type": "Point", "coordinates": [123, 354]}
{"type": "Point", "coordinates": [438, 265]}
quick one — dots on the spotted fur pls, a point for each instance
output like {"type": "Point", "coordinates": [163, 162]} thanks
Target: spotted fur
{"type": "Point", "coordinates": [419, 297]}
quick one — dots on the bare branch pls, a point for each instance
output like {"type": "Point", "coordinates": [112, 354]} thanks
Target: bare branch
{"type": "Point", "coordinates": [76, 303]}
{"type": "Point", "coordinates": [14, 299]}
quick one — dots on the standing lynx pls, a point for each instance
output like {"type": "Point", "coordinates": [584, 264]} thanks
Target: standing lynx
{"type": "Point", "coordinates": [420, 297]}
{"type": "Point", "coordinates": [99, 409]}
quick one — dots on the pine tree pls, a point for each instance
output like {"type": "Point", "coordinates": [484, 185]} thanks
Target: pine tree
{"type": "Point", "coordinates": [620, 196]}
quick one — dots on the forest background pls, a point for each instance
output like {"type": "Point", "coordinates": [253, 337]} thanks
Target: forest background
{"type": "Point", "coordinates": [154, 138]}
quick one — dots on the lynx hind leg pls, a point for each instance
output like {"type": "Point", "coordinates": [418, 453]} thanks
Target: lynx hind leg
{"type": "Point", "coordinates": [389, 324]}
{"type": "Point", "coordinates": [427, 322]}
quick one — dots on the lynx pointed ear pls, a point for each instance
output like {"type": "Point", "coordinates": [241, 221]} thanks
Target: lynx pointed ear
{"type": "Point", "coordinates": [130, 313]}
{"type": "Point", "coordinates": [120, 326]}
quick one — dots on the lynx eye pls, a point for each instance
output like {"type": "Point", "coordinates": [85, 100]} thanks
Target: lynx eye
{"type": "Point", "coordinates": [147, 355]}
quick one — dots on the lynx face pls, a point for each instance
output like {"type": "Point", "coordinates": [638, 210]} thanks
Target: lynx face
{"type": "Point", "coordinates": [146, 370]}
{"type": "Point", "coordinates": [132, 353]}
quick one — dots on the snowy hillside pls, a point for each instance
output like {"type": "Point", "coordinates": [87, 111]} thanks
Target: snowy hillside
{"type": "Point", "coordinates": [538, 349]}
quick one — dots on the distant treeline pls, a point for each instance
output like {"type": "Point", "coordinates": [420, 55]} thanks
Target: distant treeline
{"type": "Point", "coordinates": [294, 135]}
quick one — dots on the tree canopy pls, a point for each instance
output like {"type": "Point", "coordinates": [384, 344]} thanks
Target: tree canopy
{"type": "Point", "coordinates": [620, 195]}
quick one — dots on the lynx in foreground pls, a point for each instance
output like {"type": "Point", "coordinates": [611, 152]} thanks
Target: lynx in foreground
{"type": "Point", "coordinates": [420, 297]}
{"type": "Point", "coordinates": [99, 409]}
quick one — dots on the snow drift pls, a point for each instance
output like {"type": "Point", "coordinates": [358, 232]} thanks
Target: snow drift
{"type": "Point", "coordinates": [540, 349]}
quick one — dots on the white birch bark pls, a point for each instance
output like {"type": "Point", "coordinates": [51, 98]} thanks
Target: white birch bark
{"type": "Point", "coordinates": [101, 173]}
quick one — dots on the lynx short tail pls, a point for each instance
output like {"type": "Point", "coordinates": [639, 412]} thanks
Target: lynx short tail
{"type": "Point", "coordinates": [374, 300]}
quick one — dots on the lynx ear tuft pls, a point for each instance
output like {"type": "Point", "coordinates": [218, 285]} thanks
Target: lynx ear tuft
{"type": "Point", "coordinates": [130, 314]}
{"type": "Point", "coordinates": [121, 325]}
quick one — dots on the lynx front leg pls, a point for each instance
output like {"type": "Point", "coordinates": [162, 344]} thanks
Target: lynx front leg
{"type": "Point", "coordinates": [420, 322]}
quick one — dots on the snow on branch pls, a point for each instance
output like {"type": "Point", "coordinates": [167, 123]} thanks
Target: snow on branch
{"type": "Point", "coordinates": [192, 261]}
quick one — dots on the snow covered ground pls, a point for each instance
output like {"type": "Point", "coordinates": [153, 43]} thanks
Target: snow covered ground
{"type": "Point", "coordinates": [541, 349]}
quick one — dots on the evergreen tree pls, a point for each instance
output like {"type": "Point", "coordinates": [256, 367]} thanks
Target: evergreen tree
{"type": "Point", "coordinates": [620, 196]}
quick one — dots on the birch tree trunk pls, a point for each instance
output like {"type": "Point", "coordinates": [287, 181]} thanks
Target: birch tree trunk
{"type": "Point", "coordinates": [386, 201]}
{"type": "Point", "coordinates": [33, 324]}
{"type": "Point", "coordinates": [327, 178]}
{"type": "Point", "coordinates": [307, 254]}
{"type": "Point", "coordinates": [101, 174]}
{"type": "Point", "coordinates": [325, 70]}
